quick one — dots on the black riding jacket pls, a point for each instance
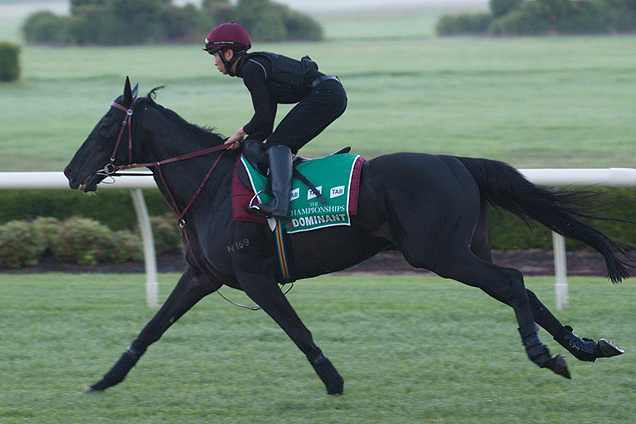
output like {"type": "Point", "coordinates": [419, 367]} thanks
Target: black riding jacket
{"type": "Point", "coordinates": [267, 91]}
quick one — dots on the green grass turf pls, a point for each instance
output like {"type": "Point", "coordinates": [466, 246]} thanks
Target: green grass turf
{"type": "Point", "coordinates": [411, 349]}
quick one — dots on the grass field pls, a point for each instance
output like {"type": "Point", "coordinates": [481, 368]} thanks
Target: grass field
{"type": "Point", "coordinates": [411, 349]}
{"type": "Point", "coordinates": [544, 102]}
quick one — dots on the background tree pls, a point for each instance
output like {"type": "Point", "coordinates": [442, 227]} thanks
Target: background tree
{"type": "Point", "coordinates": [542, 17]}
{"type": "Point", "coordinates": [626, 4]}
{"type": "Point", "coordinates": [9, 62]}
{"type": "Point", "coordinates": [219, 11]}
{"type": "Point", "coordinates": [45, 28]}
{"type": "Point", "coordinates": [556, 9]}
{"type": "Point", "coordinates": [502, 7]}
{"type": "Point", "coordinates": [116, 22]}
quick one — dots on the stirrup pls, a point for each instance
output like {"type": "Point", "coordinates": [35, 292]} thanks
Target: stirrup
{"type": "Point", "coordinates": [252, 205]}
{"type": "Point", "coordinates": [255, 209]}
{"type": "Point", "coordinates": [260, 209]}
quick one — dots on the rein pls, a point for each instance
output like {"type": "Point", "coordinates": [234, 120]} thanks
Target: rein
{"type": "Point", "coordinates": [110, 170]}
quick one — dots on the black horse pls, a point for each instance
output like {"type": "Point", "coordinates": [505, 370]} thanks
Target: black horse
{"type": "Point", "coordinates": [434, 209]}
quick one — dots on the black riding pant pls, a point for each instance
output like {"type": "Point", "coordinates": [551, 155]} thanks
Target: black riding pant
{"type": "Point", "coordinates": [323, 105]}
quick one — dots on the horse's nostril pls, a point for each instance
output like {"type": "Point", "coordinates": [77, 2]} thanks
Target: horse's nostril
{"type": "Point", "coordinates": [68, 172]}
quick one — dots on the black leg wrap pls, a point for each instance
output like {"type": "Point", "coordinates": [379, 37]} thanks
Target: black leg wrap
{"type": "Point", "coordinates": [582, 349]}
{"type": "Point", "coordinates": [586, 349]}
{"type": "Point", "coordinates": [539, 353]}
{"type": "Point", "coordinates": [528, 330]}
{"type": "Point", "coordinates": [119, 371]}
{"type": "Point", "coordinates": [332, 380]}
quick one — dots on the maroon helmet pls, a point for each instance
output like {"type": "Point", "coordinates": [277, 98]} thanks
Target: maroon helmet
{"type": "Point", "coordinates": [229, 35]}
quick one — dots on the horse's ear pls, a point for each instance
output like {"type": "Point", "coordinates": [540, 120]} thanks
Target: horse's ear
{"type": "Point", "coordinates": [128, 95]}
{"type": "Point", "coordinates": [135, 91]}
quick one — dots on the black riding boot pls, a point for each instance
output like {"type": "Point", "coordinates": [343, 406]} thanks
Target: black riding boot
{"type": "Point", "coordinates": [280, 174]}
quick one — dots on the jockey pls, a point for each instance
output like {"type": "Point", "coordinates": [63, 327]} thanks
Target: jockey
{"type": "Point", "coordinates": [273, 79]}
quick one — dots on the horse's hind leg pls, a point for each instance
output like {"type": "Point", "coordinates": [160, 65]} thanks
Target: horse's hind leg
{"type": "Point", "coordinates": [583, 349]}
{"type": "Point", "coordinates": [507, 286]}
{"type": "Point", "coordinates": [190, 289]}
{"type": "Point", "coordinates": [446, 252]}
{"type": "Point", "coordinates": [438, 237]}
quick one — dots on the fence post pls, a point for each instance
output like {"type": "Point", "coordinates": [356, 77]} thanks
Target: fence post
{"type": "Point", "coordinates": [560, 272]}
{"type": "Point", "coordinates": [150, 258]}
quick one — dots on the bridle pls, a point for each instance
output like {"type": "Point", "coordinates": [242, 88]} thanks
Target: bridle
{"type": "Point", "coordinates": [126, 123]}
{"type": "Point", "coordinates": [112, 170]}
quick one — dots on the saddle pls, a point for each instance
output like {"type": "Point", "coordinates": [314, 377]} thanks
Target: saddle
{"type": "Point", "coordinates": [255, 153]}
{"type": "Point", "coordinates": [338, 173]}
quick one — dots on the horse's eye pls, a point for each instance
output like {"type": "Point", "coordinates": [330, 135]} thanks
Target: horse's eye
{"type": "Point", "coordinates": [106, 126]}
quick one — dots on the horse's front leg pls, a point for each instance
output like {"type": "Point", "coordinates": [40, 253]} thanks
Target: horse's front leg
{"type": "Point", "coordinates": [264, 290]}
{"type": "Point", "coordinates": [189, 290]}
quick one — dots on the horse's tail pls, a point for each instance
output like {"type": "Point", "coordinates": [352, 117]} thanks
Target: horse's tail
{"type": "Point", "coordinates": [503, 186]}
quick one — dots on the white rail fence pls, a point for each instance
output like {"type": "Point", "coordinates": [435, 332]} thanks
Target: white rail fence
{"type": "Point", "coordinates": [57, 180]}
{"type": "Point", "coordinates": [610, 177]}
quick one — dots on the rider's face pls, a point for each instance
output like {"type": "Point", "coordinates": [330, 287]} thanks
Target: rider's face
{"type": "Point", "coordinates": [218, 62]}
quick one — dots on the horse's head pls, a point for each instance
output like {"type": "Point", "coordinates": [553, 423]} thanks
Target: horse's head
{"type": "Point", "coordinates": [108, 145]}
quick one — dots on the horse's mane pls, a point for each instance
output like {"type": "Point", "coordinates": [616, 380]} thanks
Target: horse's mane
{"type": "Point", "coordinates": [204, 132]}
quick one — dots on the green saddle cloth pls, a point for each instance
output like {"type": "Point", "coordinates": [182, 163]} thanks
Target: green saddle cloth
{"type": "Point", "coordinates": [337, 178]}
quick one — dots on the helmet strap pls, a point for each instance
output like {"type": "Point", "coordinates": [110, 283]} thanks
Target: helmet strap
{"type": "Point", "coordinates": [228, 64]}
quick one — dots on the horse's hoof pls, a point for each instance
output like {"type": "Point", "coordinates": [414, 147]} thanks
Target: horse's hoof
{"type": "Point", "coordinates": [560, 366]}
{"type": "Point", "coordinates": [337, 387]}
{"type": "Point", "coordinates": [92, 390]}
{"type": "Point", "coordinates": [607, 349]}
{"type": "Point", "coordinates": [333, 381]}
